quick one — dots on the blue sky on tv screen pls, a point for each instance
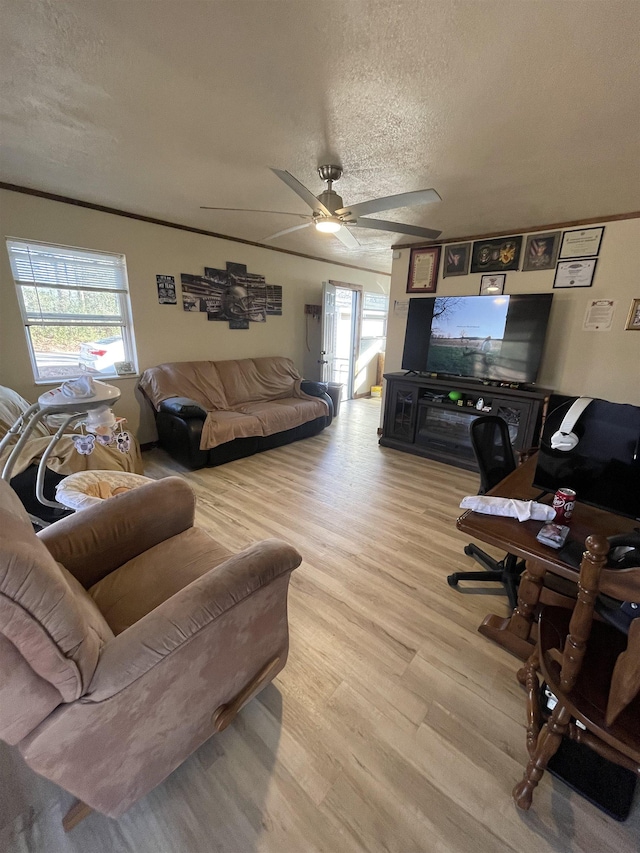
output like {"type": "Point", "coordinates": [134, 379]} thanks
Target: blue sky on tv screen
{"type": "Point", "coordinates": [475, 316]}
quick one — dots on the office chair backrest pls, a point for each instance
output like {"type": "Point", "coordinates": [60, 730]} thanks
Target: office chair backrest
{"type": "Point", "coordinates": [492, 447]}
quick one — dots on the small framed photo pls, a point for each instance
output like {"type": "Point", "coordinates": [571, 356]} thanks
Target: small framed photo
{"type": "Point", "coordinates": [456, 260]}
{"type": "Point", "coordinates": [492, 285]}
{"type": "Point", "coordinates": [578, 273]}
{"type": "Point", "coordinates": [541, 251]}
{"type": "Point", "coordinates": [633, 320]}
{"type": "Point", "coordinates": [581, 243]}
{"type": "Point", "coordinates": [124, 368]}
{"type": "Point", "coordinates": [423, 270]}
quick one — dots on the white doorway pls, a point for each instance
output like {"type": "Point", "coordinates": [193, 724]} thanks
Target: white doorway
{"type": "Point", "coordinates": [341, 313]}
{"type": "Point", "coordinates": [353, 337]}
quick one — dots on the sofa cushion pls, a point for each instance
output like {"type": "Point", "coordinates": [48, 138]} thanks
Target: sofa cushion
{"type": "Point", "coordinates": [251, 379]}
{"type": "Point", "coordinates": [127, 594]}
{"type": "Point", "coordinates": [44, 611]}
{"type": "Point", "coordinates": [197, 380]}
{"type": "Point", "coordinates": [281, 415]}
{"type": "Point", "coordinates": [221, 427]}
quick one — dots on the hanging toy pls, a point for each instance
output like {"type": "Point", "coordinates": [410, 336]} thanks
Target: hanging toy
{"type": "Point", "coordinates": [105, 440]}
{"type": "Point", "coordinates": [85, 444]}
{"type": "Point", "coordinates": [123, 442]}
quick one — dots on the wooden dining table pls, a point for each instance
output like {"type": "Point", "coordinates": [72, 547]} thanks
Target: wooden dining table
{"type": "Point", "coordinates": [516, 632]}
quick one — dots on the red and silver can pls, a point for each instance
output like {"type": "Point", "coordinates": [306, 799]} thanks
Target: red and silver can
{"type": "Point", "coordinates": [563, 502]}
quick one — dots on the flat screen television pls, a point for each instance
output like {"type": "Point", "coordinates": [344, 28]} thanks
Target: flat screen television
{"type": "Point", "coordinates": [480, 337]}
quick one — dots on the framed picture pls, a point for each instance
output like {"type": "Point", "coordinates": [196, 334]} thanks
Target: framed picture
{"type": "Point", "coordinates": [423, 270]}
{"type": "Point", "coordinates": [492, 285]}
{"type": "Point", "coordinates": [581, 243]}
{"type": "Point", "coordinates": [166, 285]}
{"type": "Point", "coordinates": [575, 273]}
{"type": "Point", "coordinates": [633, 320]}
{"type": "Point", "coordinates": [456, 260]}
{"type": "Point", "coordinates": [124, 368]}
{"type": "Point", "coordinates": [541, 251]}
{"type": "Point", "coordinates": [496, 255]}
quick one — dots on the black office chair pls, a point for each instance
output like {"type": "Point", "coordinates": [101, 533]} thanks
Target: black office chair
{"type": "Point", "coordinates": [494, 455]}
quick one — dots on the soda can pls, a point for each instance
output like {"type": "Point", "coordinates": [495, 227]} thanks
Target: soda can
{"type": "Point", "coordinates": [563, 502]}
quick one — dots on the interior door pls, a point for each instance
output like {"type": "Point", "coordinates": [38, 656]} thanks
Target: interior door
{"type": "Point", "coordinates": [328, 332]}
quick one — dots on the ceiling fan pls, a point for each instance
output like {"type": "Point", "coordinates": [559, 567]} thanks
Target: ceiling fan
{"type": "Point", "coordinates": [331, 216]}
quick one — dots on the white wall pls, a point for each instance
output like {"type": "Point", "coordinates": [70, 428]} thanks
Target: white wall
{"type": "Point", "coordinates": [165, 332]}
{"type": "Point", "coordinates": [576, 362]}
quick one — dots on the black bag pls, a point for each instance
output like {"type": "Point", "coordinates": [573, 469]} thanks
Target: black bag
{"type": "Point", "coordinates": [604, 467]}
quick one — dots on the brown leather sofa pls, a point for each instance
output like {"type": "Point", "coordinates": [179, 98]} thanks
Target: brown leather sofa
{"type": "Point", "coordinates": [128, 637]}
{"type": "Point", "coordinates": [212, 412]}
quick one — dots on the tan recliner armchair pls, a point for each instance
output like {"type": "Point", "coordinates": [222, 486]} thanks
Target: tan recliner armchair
{"type": "Point", "coordinates": [128, 637]}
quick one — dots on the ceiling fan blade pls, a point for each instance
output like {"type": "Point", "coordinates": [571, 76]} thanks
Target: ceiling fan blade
{"type": "Point", "coordinates": [390, 202]}
{"type": "Point", "coordinates": [383, 225]}
{"type": "Point", "coordinates": [305, 194]}
{"type": "Point", "coordinates": [251, 210]}
{"type": "Point", "coordinates": [346, 238]}
{"type": "Point", "coordinates": [286, 231]}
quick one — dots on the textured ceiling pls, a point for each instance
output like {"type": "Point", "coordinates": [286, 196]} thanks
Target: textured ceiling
{"type": "Point", "coordinates": [518, 113]}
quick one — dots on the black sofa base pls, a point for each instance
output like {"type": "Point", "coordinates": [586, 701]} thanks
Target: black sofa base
{"type": "Point", "coordinates": [180, 437]}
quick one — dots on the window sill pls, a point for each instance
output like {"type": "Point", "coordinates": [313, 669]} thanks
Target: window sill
{"type": "Point", "coordinates": [107, 379]}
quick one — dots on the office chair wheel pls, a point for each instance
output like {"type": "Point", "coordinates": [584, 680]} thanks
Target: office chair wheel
{"type": "Point", "coordinates": [452, 580]}
{"type": "Point", "coordinates": [468, 550]}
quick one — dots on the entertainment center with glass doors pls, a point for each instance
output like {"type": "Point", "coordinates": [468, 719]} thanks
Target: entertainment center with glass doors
{"type": "Point", "coordinates": [467, 356]}
{"type": "Point", "coordinates": [421, 417]}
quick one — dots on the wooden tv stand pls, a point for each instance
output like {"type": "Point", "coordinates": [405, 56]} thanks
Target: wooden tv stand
{"type": "Point", "coordinates": [420, 418]}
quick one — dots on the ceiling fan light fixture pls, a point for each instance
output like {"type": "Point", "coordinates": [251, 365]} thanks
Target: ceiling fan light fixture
{"type": "Point", "coordinates": [328, 224]}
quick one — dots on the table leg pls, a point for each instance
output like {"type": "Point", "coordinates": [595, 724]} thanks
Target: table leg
{"type": "Point", "coordinates": [514, 632]}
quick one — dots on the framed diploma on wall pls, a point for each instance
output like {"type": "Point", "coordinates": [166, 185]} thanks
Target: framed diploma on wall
{"type": "Point", "coordinates": [581, 243]}
{"type": "Point", "coordinates": [423, 270]}
{"type": "Point", "coordinates": [578, 273]}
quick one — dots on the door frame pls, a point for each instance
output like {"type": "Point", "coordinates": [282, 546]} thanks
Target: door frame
{"type": "Point", "coordinates": [357, 334]}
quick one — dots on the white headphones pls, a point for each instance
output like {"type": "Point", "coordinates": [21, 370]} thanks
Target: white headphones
{"type": "Point", "coordinates": [565, 438]}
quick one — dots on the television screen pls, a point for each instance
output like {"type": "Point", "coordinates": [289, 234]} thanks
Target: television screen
{"type": "Point", "coordinates": [481, 337]}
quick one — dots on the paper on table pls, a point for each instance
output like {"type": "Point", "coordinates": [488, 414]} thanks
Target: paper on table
{"type": "Point", "coordinates": [522, 510]}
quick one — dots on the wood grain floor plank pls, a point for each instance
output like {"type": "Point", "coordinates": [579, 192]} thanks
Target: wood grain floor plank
{"type": "Point", "coordinates": [394, 726]}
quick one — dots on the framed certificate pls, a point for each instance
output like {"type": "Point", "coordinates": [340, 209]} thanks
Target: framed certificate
{"type": "Point", "coordinates": [423, 270]}
{"type": "Point", "coordinates": [581, 243]}
{"type": "Point", "coordinates": [575, 273]}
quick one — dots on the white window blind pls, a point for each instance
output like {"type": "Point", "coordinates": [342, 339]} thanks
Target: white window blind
{"type": "Point", "coordinates": [75, 308]}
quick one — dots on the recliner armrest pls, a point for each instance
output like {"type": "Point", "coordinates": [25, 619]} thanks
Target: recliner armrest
{"type": "Point", "coordinates": [185, 407]}
{"type": "Point", "coordinates": [173, 623]}
{"type": "Point", "coordinates": [95, 541]}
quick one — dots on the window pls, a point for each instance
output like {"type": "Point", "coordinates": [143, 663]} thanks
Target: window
{"type": "Point", "coordinates": [75, 308]}
{"type": "Point", "coordinates": [374, 316]}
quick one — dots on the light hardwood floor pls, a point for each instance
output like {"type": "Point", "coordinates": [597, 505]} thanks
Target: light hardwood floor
{"type": "Point", "coordinates": [394, 727]}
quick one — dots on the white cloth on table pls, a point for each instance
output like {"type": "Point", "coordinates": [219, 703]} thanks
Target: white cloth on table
{"type": "Point", "coordinates": [522, 510]}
